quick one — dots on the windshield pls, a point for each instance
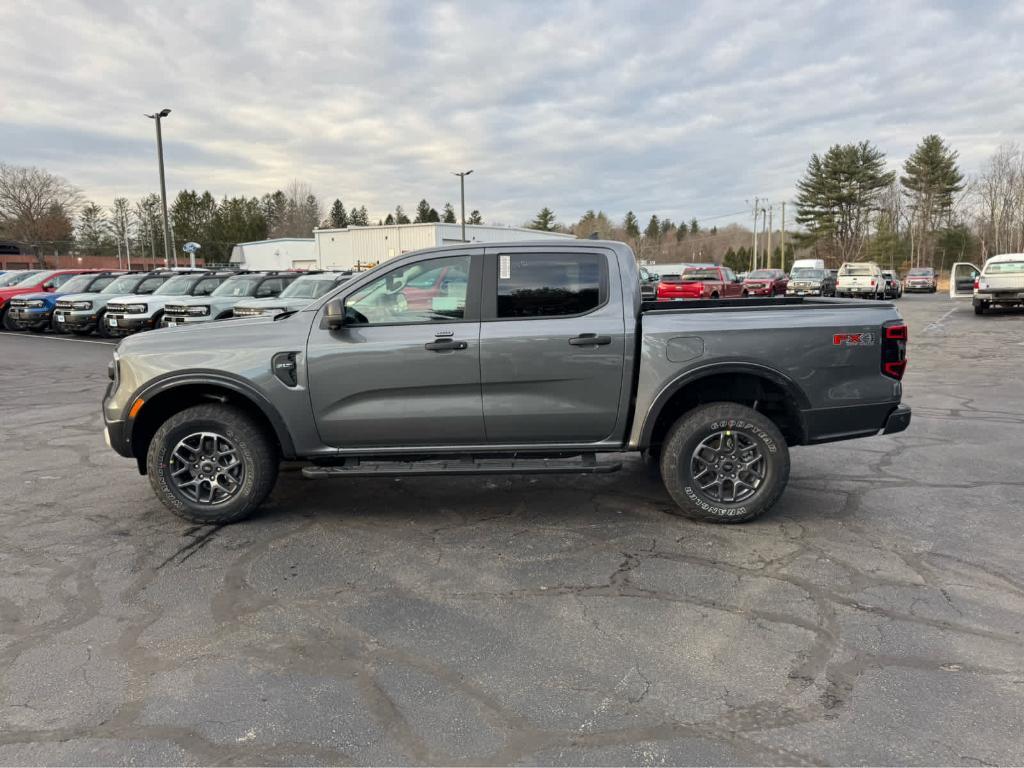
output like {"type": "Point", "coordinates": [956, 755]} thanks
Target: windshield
{"type": "Point", "coordinates": [703, 274]}
{"type": "Point", "coordinates": [13, 278]}
{"type": "Point", "coordinates": [238, 286]}
{"type": "Point", "coordinates": [35, 277]}
{"type": "Point", "coordinates": [808, 274]}
{"type": "Point", "coordinates": [856, 270]}
{"type": "Point", "coordinates": [123, 285]}
{"type": "Point", "coordinates": [920, 272]}
{"type": "Point", "coordinates": [78, 284]}
{"type": "Point", "coordinates": [308, 287]}
{"type": "Point", "coordinates": [177, 286]}
{"type": "Point", "coordinates": [1005, 268]}
{"type": "Point", "coordinates": [761, 274]}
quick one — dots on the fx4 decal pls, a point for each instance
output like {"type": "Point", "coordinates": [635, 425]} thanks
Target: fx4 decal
{"type": "Point", "coordinates": [853, 339]}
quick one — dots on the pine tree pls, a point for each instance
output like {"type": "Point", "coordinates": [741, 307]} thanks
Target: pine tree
{"type": "Point", "coordinates": [433, 216]}
{"type": "Point", "coordinates": [91, 232]}
{"type": "Point", "coordinates": [475, 217]}
{"type": "Point", "coordinates": [931, 179]}
{"type": "Point", "coordinates": [390, 219]}
{"type": "Point", "coordinates": [422, 212]}
{"type": "Point", "coordinates": [338, 216]}
{"type": "Point", "coordinates": [838, 195]}
{"type": "Point", "coordinates": [631, 225]}
{"type": "Point", "coordinates": [544, 220]}
{"type": "Point", "coordinates": [653, 230]}
{"type": "Point", "coordinates": [400, 217]}
{"type": "Point", "coordinates": [694, 226]}
{"type": "Point", "coordinates": [449, 214]}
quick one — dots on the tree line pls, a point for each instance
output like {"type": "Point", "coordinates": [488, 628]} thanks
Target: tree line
{"type": "Point", "coordinates": [41, 209]}
{"type": "Point", "coordinates": [850, 204]}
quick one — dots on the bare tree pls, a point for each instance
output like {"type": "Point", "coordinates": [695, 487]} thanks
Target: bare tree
{"type": "Point", "coordinates": [36, 206]}
{"type": "Point", "coordinates": [998, 195]}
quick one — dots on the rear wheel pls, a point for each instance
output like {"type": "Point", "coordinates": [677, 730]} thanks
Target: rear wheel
{"type": "Point", "coordinates": [724, 463]}
{"type": "Point", "coordinates": [980, 307]}
{"type": "Point", "coordinates": [212, 464]}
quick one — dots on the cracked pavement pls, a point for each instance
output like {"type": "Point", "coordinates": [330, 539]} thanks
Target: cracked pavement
{"type": "Point", "coordinates": [874, 616]}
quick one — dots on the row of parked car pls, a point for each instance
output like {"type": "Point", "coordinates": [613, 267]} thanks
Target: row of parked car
{"type": "Point", "coordinates": [808, 277]}
{"type": "Point", "coordinates": [117, 303]}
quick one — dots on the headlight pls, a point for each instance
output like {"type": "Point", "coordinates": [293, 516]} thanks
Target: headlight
{"type": "Point", "coordinates": [82, 305]}
{"type": "Point", "coordinates": [249, 311]}
{"type": "Point", "coordinates": [203, 310]}
{"type": "Point", "coordinates": [136, 309]}
{"type": "Point", "coordinates": [37, 304]}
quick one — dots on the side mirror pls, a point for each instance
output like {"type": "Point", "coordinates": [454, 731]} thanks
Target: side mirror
{"type": "Point", "coordinates": [335, 314]}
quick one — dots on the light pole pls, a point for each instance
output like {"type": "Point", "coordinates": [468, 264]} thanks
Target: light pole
{"type": "Point", "coordinates": [462, 189]}
{"type": "Point", "coordinates": [163, 186]}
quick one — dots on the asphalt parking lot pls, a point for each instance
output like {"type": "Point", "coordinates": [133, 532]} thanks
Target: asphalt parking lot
{"type": "Point", "coordinates": [875, 616]}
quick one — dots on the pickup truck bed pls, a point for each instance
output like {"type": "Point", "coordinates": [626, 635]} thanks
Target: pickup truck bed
{"type": "Point", "coordinates": [529, 358]}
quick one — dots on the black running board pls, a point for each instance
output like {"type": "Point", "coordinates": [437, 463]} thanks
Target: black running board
{"type": "Point", "coordinates": [518, 466]}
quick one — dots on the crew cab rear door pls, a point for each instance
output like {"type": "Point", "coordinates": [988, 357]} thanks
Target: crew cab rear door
{"type": "Point", "coordinates": [961, 280]}
{"type": "Point", "coordinates": [552, 345]}
{"type": "Point", "coordinates": [404, 369]}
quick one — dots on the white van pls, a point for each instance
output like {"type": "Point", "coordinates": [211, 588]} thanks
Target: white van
{"type": "Point", "coordinates": [807, 264]}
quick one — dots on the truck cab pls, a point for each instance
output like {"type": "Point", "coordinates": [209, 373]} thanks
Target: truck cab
{"type": "Point", "coordinates": [1000, 283]}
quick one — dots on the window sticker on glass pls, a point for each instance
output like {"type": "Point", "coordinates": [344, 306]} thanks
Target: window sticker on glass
{"type": "Point", "coordinates": [505, 270]}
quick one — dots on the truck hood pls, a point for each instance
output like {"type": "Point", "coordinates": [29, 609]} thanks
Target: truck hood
{"type": "Point", "coordinates": [275, 302]}
{"type": "Point", "coordinates": [206, 344]}
{"type": "Point", "coordinates": [143, 298]}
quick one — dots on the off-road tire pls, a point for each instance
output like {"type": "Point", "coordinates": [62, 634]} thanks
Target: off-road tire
{"type": "Point", "coordinates": [254, 446]}
{"type": "Point", "coordinates": [8, 323]}
{"type": "Point", "coordinates": [702, 422]}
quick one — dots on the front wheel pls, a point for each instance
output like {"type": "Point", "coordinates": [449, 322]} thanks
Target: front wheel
{"type": "Point", "coordinates": [212, 464]}
{"type": "Point", "coordinates": [724, 463]}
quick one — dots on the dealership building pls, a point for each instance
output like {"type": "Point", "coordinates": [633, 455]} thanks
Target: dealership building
{"type": "Point", "coordinates": [364, 247]}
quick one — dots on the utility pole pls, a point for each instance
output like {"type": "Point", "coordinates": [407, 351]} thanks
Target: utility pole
{"type": "Point", "coordinates": [764, 220]}
{"type": "Point", "coordinates": [753, 252]}
{"type": "Point", "coordinates": [462, 190]}
{"type": "Point", "coordinates": [771, 208]}
{"type": "Point", "coordinates": [782, 238]}
{"type": "Point", "coordinates": [163, 186]}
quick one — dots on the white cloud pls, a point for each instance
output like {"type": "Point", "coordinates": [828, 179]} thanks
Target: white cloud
{"type": "Point", "coordinates": [668, 108]}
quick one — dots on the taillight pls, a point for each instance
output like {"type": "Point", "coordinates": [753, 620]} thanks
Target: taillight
{"type": "Point", "coordinates": [872, 283]}
{"type": "Point", "coordinates": [894, 350]}
{"type": "Point", "coordinates": [976, 281]}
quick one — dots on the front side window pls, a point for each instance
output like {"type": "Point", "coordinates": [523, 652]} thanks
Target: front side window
{"type": "Point", "coordinates": [431, 291]}
{"type": "Point", "coordinates": [207, 285]}
{"type": "Point", "coordinates": [549, 285]}
{"type": "Point", "coordinates": [77, 283]}
{"type": "Point", "coordinates": [238, 286]}
{"type": "Point", "coordinates": [270, 288]}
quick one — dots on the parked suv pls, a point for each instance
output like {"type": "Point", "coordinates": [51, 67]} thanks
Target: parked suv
{"type": "Point", "coordinates": [220, 304]}
{"type": "Point", "coordinates": [860, 278]}
{"type": "Point", "coordinates": [34, 311]}
{"type": "Point", "coordinates": [299, 294]}
{"type": "Point", "coordinates": [766, 282]}
{"type": "Point", "coordinates": [893, 286]}
{"type": "Point", "coordinates": [135, 312]}
{"type": "Point", "coordinates": [35, 297]}
{"type": "Point", "coordinates": [921, 279]}
{"type": "Point", "coordinates": [83, 313]}
{"type": "Point", "coordinates": [811, 281]}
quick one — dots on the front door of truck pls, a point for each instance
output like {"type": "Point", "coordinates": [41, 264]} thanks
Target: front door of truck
{"type": "Point", "coordinates": [404, 369]}
{"type": "Point", "coordinates": [961, 280]}
{"type": "Point", "coordinates": [552, 346]}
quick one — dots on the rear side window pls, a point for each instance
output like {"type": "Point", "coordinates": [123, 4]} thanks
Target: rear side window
{"type": "Point", "coordinates": [550, 285]}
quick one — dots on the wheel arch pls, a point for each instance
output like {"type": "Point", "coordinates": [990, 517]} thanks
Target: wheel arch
{"type": "Point", "coordinates": [771, 392]}
{"type": "Point", "coordinates": [163, 398]}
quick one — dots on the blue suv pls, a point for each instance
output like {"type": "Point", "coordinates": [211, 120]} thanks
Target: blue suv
{"type": "Point", "coordinates": [34, 311]}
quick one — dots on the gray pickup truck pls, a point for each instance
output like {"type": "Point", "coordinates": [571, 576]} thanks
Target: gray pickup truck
{"type": "Point", "coordinates": [521, 358]}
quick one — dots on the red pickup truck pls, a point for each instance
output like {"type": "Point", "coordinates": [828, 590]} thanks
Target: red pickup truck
{"type": "Point", "coordinates": [702, 283]}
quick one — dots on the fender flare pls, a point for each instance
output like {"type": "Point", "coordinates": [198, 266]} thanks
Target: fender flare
{"type": "Point", "coordinates": [236, 384]}
{"type": "Point", "coordinates": [787, 384]}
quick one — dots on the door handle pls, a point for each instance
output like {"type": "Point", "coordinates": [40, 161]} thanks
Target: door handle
{"type": "Point", "coordinates": [445, 345]}
{"type": "Point", "coordinates": [590, 340]}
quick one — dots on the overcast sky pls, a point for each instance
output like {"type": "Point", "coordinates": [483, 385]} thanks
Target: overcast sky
{"type": "Point", "coordinates": [680, 109]}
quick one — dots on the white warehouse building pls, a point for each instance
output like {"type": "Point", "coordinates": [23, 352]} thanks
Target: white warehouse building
{"type": "Point", "coordinates": [276, 254]}
{"type": "Point", "coordinates": [363, 247]}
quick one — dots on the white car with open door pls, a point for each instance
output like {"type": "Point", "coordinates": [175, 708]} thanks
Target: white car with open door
{"type": "Point", "coordinates": [1000, 283]}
